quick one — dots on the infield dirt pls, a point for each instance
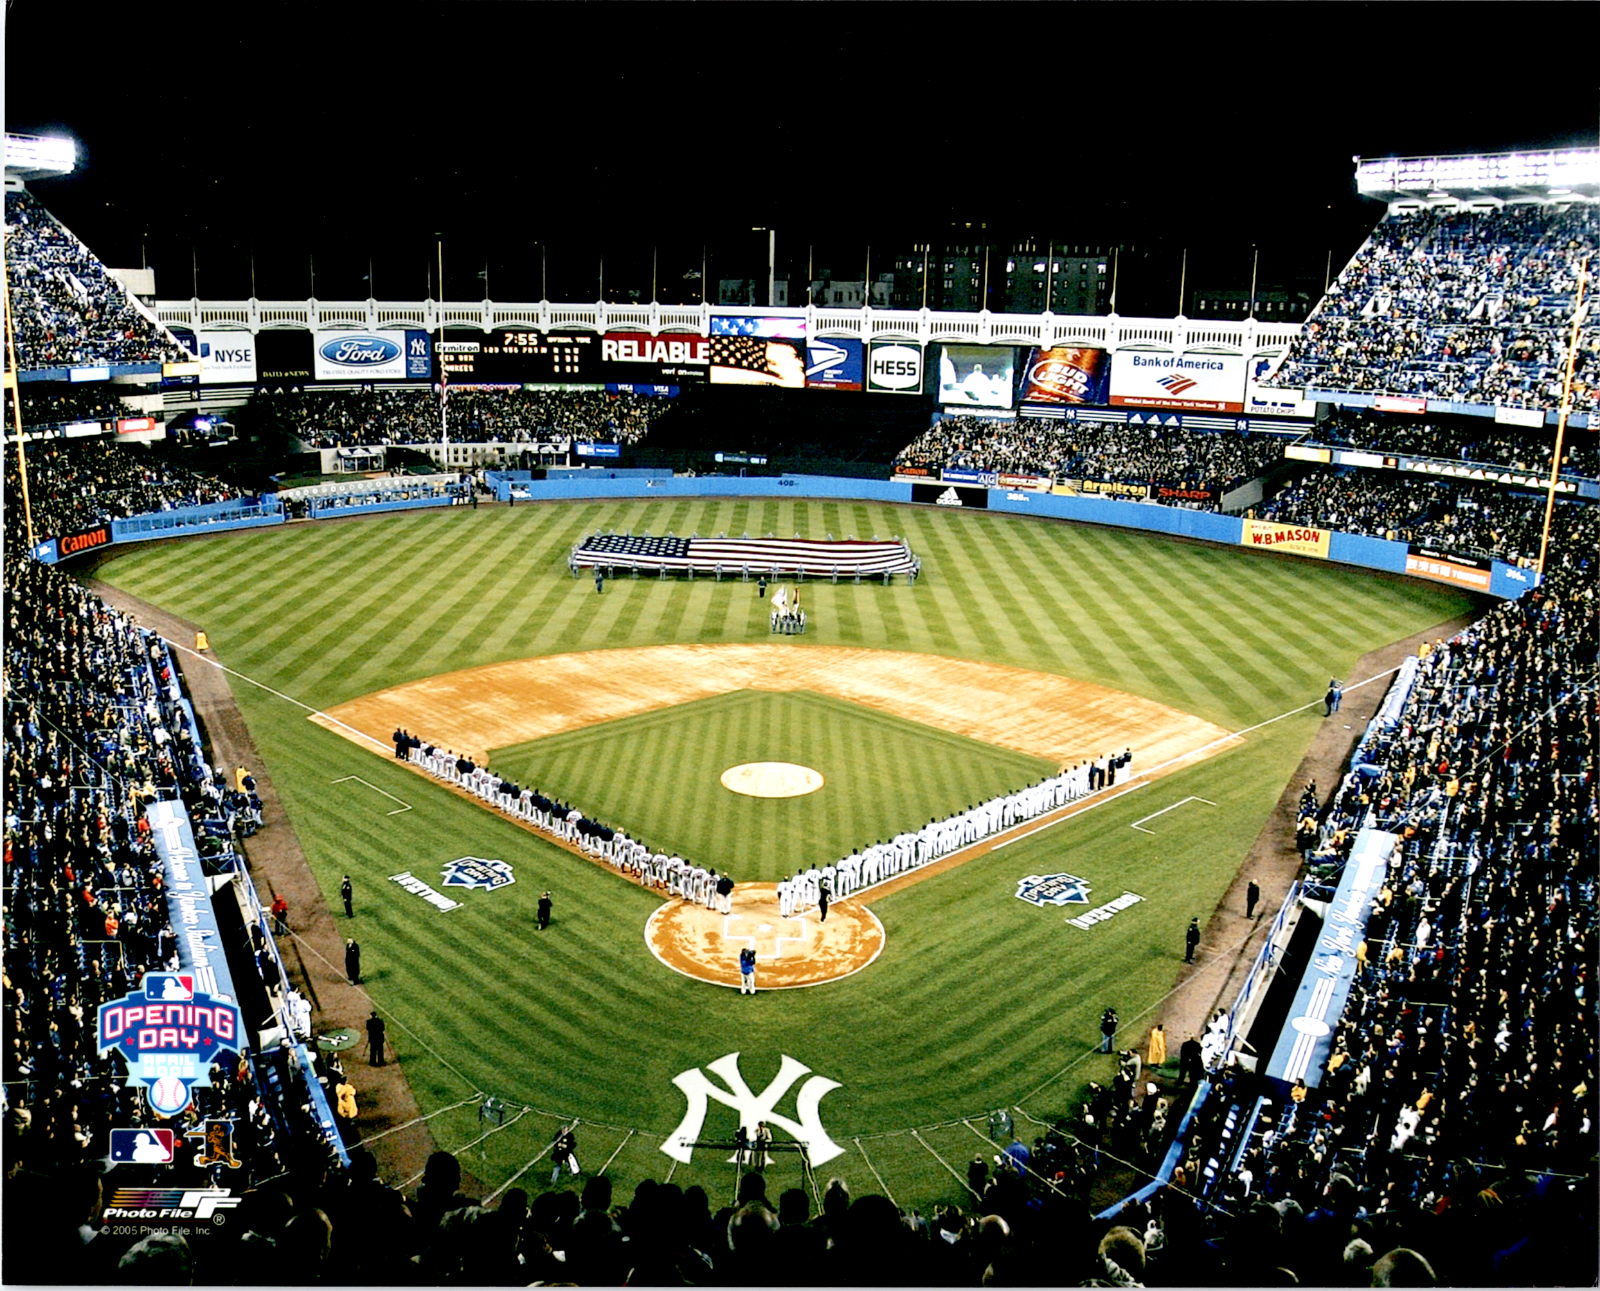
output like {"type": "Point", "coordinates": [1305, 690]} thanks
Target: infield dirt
{"type": "Point", "coordinates": [1058, 718]}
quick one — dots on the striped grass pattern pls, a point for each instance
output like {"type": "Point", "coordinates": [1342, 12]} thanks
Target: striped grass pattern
{"type": "Point", "coordinates": [979, 1000]}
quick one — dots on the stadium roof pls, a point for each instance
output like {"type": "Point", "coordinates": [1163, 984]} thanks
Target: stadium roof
{"type": "Point", "coordinates": [1555, 173]}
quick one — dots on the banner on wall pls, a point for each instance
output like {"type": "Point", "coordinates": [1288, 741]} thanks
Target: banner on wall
{"type": "Point", "coordinates": [1262, 401]}
{"type": "Point", "coordinates": [834, 363]}
{"type": "Point", "coordinates": [1297, 540]}
{"type": "Point", "coordinates": [762, 325]}
{"type": "Point", "coordinates": [283, 357]}
{"type": "Point", "coordinates": [1202, 382]}
{"type": "Point", "coordinates": [671, 359]}
{"type": "Point", "coordinates": [950, 495]}
{"type": "Point", "coordinates": [385, 355]}
{"type": "Point", "coordinates": [1066, 374]}
{"type": "Point", "coordinates": [1447, 567]}
{"type": "Point", "coordinates": [894, 367]}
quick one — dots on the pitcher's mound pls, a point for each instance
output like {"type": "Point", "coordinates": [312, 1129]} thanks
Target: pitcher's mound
{"type": "Point", "coordinates": [772, 779]}
{"type": "Point", "coordinates": [801, 951]}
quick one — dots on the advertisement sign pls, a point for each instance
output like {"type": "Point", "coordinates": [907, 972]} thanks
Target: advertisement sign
{"type": "Point", "coordinates": [836, 363]}
{"type": "Point", "coordinates": [973, 374]}
{"type": "Point", "coordinates": [84, 540]}
{"type": "Point", "coordinates": [894, 368]}
{"type": "Point", "coordinates": [1202, 382]}
{"type": "Point", "coordinates": [283, 357]}
{"type": "Point", "coordinates": [227, 358]}
{"type": "Point", "coordinates": [988, 479]}
{"type": "Point", "coordinates": [1177, 494]}
{"type": "Point", "coordinates": [754, 360]}
{"type": "Point", "coordinates": [1273, 403]}
{"type": "Point", "coordinates": [672, 359]}
{"type": "Point", "coordinates": [586, 449]}
{"type": "Point", "coordinates": [1032, 483]}
{"type": "Point", "coordinates": [1519, 416]}
{"type": "Point", "coordinates": [1128, 490]}
{"type": "Point", "coordinates": [1447, 567]}
{"type": "Point", "coordinates": [387, 355]}
{"type": "Point", "coordinates": [1295, 539]}
{"type": "Point", "coordinates": [524, 358]}
{"type": "Point", "coordinates": [760, 325]}
{"type": "Point", "coordinates": [1066, 374]}
{"type": "Point", "coordinates": [654, 391]}
{"type": "Point", "coordinates": [1394, 403]}
{"type": "Point", "coordinates": [950, 495]}
{"type": "Point", "coordinates": [135, 425]}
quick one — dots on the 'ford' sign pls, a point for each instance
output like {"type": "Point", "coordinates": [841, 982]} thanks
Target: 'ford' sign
{"type": "Point", "coordinates": [359, 351]}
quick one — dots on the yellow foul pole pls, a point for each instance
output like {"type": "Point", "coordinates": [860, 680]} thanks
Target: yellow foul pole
{"type": "Point", "coordinates": [1561, 425]}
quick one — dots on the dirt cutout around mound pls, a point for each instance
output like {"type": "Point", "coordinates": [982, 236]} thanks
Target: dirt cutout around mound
{"type": "Point", "coordinates": [1051, 717]}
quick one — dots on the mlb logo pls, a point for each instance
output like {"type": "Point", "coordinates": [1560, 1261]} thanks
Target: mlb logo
{"type": "Point", "coordinates": [141, 1147]}
{"type": "Point", "coordinates": [169, 986]}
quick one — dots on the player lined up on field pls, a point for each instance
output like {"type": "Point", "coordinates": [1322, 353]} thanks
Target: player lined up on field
{"type": "Point", "coordinates": [678, 877]}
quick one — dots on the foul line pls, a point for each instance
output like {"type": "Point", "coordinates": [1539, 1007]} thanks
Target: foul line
{"type": "Point", "coordinates": [404, 806]}
{"type": "Point", "coordinates": [261, 685]}
{"type": "Point", "coordinates": [1140, 822]}
{"type": "Point", "coordinates": [1184, 757]}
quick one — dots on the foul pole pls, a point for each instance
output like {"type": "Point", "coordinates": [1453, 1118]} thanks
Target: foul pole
{"type": "Point", "coordinates": [1561, 424]}
{"type": "Point", "coordinates": [16, 414]}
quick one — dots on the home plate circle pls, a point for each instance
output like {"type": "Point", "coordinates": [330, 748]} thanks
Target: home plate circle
{"type": "Point", "coordinates": [772, 779]}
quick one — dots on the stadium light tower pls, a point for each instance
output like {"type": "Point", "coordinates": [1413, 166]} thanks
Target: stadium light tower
{"type": "Point", "coordinates": [30, 156]}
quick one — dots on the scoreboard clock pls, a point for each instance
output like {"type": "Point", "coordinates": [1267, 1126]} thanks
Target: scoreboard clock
{"type": "Point", "coordinates": [533, 358]}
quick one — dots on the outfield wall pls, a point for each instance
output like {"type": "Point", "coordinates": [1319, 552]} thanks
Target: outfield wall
{"type": "Point", "coordinates": [1498, 579]}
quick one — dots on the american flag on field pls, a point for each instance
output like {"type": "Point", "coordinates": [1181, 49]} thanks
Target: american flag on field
{"type": "Point", "coordinates": [817, 558]}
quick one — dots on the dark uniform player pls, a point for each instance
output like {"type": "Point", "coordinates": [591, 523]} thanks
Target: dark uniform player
{"type": "Point", "coordinates": [544, 912]}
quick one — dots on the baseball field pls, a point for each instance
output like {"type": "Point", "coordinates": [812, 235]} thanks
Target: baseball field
{"type": "Point", "coordinates": [1024, 645]}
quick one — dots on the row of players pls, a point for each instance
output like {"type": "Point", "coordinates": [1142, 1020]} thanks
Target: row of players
{"type": "Point", "coordinates": [806, 891]}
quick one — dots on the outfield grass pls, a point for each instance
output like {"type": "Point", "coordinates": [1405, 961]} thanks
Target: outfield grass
{"type": "Point", "coordinates": [978, 999]}
{"type": "Point", "coordinates": [882, 776]}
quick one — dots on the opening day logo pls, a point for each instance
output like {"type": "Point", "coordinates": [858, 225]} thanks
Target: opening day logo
{"type": "Point", "coordinates": [1053, 889]}
{"type": "Point", "coordinates": [475, 872]}
{"type": "Point", "coordinates": [169, 1034]}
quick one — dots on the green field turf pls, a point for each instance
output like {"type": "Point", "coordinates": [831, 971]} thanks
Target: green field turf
{"type": "Point", "coordinates": [978, 999]}
{"type": "Point", "coordinates": [883, 775]}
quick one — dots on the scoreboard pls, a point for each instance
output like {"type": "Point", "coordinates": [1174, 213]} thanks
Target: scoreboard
{"type": "Point", "coordinates": [531, 358]}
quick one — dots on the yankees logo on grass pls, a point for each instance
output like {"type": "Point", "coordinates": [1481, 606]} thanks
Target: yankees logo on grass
{"type": "Point", "coordinates": [753, 1108]}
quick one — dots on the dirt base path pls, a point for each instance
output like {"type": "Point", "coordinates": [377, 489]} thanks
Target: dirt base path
{"type": "Point", "coordinates": [1058, 718]}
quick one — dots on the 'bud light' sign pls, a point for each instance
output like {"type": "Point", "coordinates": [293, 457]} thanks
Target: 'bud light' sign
{"type": "Point", "coordinates": [169, 1034]}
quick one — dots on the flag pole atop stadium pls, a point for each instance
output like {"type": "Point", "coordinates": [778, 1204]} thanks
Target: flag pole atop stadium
{"type": "Point", "coordinates": [1561, 423]}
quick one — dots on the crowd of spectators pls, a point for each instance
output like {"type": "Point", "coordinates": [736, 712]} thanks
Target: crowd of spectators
{"type": "Point", "coordinates": [346, 419]}
{"type": "Point", "coordinates": [1090, 450]}
{"type": "Point", "coordinates": [1472, 306]}
{"type": "Point", "coordinates": [1457, 1106]}
{"type": "Point", "coordinates": [60, 405]}
{"type": "Point", "coordinates": [1471, 517]}
{"type": "Point", "coordinates": [1472, 439]}
{"type": "Point", "coordinates": [76, 484]}
{"type": "Point", "coordinates": [94, 732]}
{"type": "Point", "coordinates": [67, 311]}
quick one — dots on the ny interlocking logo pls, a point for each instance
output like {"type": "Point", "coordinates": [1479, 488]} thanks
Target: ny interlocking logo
{"type": "Point", "coordinates": [697, 1087]}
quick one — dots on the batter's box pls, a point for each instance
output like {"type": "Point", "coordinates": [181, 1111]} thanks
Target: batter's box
{"type": "Point", "coordinates": [1139, 824]}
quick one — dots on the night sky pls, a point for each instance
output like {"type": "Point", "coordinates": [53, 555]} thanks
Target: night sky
{"type": "Point", "coordinates": [538, 140]}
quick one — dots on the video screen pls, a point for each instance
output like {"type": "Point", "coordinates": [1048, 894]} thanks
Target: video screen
{"type": "Point", "coordinates": [979, 376]}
